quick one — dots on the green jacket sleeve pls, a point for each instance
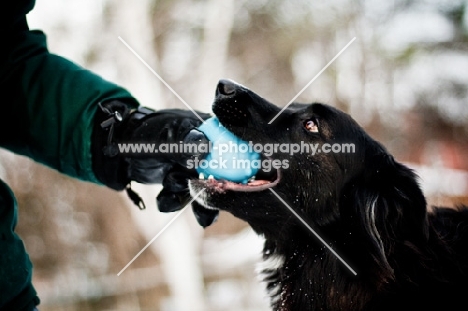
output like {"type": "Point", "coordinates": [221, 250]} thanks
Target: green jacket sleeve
{"type": "Point", "coordinates": [49, 103]}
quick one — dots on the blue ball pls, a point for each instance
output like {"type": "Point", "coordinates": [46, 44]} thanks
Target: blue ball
{"type": "Point", "coordinates": [230, 157]}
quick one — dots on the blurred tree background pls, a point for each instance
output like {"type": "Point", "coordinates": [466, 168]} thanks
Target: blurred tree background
{"type": "Point", "coordinates": [404, 79]}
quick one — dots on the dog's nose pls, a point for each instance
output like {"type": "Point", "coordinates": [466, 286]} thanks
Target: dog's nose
{"type": "Point", "coordinates": [226, 87]}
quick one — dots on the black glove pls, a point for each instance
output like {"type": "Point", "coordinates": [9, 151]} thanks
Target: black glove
{"type": "Point", "coordinates": [175, 195]}
{"type": "Point", "coordinates": [116, 124]}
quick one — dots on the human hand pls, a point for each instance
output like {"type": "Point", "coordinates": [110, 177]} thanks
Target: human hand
{"type": "Point", "coordinates": [171, 138]}
{"type": "Point", "coordinates": [117, 126]}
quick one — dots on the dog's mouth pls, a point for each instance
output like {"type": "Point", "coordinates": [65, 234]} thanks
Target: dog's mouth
{"type": "Point", "coordinates": [264, 179]}
{"type": "Point", "coordinates": [232, 112]}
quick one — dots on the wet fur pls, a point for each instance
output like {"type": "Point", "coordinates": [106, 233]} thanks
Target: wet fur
{"type": "Point", "coordinates": [366, 205]}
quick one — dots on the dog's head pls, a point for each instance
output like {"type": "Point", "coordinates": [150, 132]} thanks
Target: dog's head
{"type": "Point", "coordinates": [339, 174]}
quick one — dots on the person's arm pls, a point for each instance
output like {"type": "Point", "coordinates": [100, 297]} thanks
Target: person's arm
{"type": "Point", "coordinates": [49, 104]}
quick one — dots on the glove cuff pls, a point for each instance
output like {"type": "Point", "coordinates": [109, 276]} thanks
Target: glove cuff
{"type": "Point", "coordinates": [109, 166]}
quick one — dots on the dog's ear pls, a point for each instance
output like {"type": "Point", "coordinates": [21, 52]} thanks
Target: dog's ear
{"type": "Point", "coordinates": [390, 208]}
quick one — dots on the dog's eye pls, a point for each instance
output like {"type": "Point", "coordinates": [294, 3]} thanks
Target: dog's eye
{"type": "Point", "coordinates": [311, 126]}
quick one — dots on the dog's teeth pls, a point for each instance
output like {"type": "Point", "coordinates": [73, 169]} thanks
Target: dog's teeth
{"type": "Point", "coordinates": [201, 176]}
{"type": "Point", "coordinates": [252, 179]}
{"type": "Point", "coordinates": [210, 177]}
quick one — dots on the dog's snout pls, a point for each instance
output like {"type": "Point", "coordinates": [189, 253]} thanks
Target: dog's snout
{"type": "Point", "coordinates": [229, 105]}
{"type": "Point", "coordinates": [226, 87]}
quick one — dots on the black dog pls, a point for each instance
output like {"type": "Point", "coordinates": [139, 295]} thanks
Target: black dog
{"type": "Point", "coordinates": [365, 205]}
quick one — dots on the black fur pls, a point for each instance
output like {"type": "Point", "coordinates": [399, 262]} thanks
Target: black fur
{"type": "Point", "coordinates": [366, 205]}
